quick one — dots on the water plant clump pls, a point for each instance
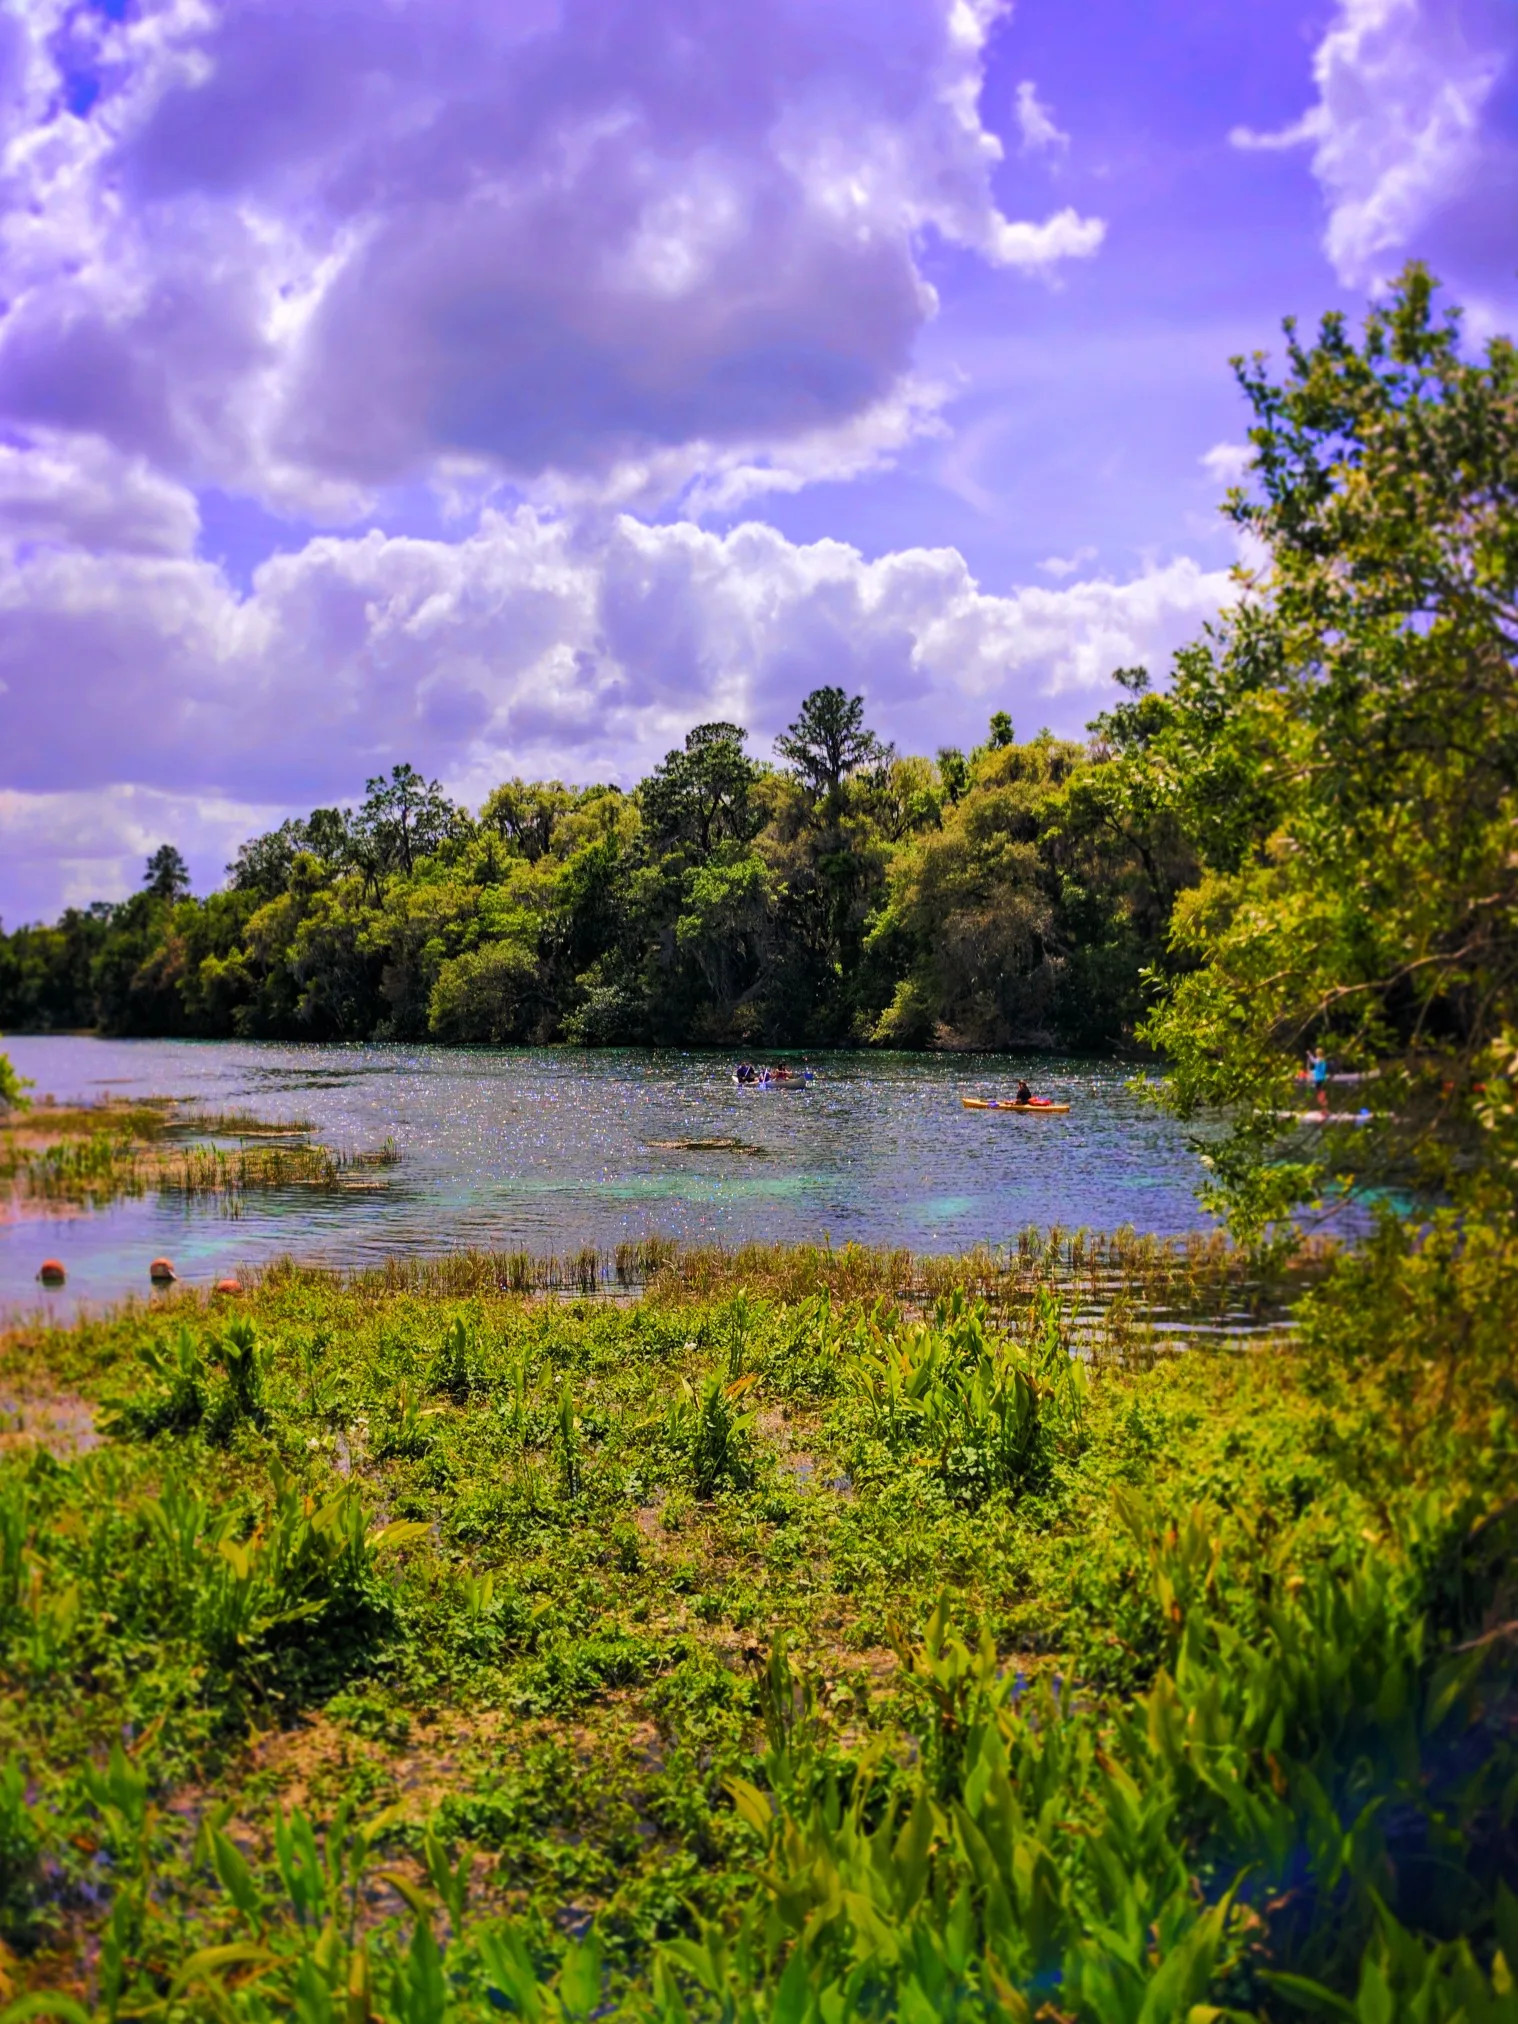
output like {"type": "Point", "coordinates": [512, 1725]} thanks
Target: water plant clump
{"type": "Point", "coordinates": [745, 1655]}
{"type": "Point", "coordinates": [97, 1154]}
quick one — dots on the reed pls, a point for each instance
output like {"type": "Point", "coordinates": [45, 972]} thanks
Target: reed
{"type": "Point", "coordinates": [110, 1166]}
{"type": "Point", "coordinates": [1123, 1298]}
{"type": "Point", "coordinates": [239, 1124]}
{"type": "Point", "coordinates": [208, 1170]}
{"type": "Point", "coordinates": [102, 1167]}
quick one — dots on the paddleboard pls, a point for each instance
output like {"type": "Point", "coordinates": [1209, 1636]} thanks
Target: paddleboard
{"type": "Point", "coordinates": [1328, 1116]}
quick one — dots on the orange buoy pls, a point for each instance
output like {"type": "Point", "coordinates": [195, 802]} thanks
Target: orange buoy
{"type": "Point", "coordinates": [52, 1272]}
{"type": "Point", "coordinates": [229, 1286]}
{"type": "Point", "coordinates": [161, 1271]}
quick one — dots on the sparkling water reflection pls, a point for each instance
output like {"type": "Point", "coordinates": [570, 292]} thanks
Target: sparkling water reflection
{"type": "Point", "coordinates": [550, 1148]}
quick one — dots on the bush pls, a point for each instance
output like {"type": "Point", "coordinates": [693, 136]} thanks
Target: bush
{"type": "Point", "coordinates": [12, 1086]}
{"type": "Point", "coordinates": [178, 1404]}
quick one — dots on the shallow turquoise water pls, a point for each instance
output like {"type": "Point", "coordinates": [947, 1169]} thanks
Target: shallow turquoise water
{"type": "Point", "coordinates": [548, 1148]}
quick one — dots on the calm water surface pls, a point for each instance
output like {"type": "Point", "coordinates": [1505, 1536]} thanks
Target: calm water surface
{"type": "Point", "coordinates": [549, 1148]}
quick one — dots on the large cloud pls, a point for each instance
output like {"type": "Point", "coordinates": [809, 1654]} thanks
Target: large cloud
{"type": "Point", "coordinates": [312, 247]}
{"type": "Point", "coordinates": [538, 643]}
{"type": "Point", "coordinates": [1402, 140]}
{"type": "Point", "coordinates": [80, 490]}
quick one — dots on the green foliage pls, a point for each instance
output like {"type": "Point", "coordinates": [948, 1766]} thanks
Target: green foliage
{"type": "Point", "coordinates": [186, 1396]}
{"type": "Point", "coordinates": [981, 1412]}
{"type": "Point", "coordinates": [1026, 912]}
{"type": "Point", "coordinates": [21, 1844]}
{"type": "Point", "coordinates": [1341, 749]}
{"type": "Point", "coordinates": [12, 1086]}
{"type": "Point", "coordinates": [751, 1656]}
{"type": "Point", "coordinates": [715, 1435]}
{"type": "Point", "coordinates": [987, 900]}
{"type": "Point", "coordinates": [829, 741]}
{"type": "Point", "coordinates": [167, 876]}
{"type": "Point", "coordinates": [700, 797]}
{"type": "Point", "coordinates": [456, 1370]}
{"type": "Point", "coordinates": [177, 1405]}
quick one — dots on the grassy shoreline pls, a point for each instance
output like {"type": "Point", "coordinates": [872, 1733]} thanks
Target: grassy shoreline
{"type": "Point", "coordinates": [759, 1635]}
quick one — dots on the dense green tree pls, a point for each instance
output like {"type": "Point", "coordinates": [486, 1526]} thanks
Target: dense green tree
{"type": "Point", "coordinates": [525, 813]}
{"type": "Point", "coordinates": [723, 926]}
{"type": "Point", "coordinates": [402, 818]}
{"type": "Point", "coordinates": [47, 973]}
{"type": "Point", "coordinates": [485, 994]}
{"type": "Point", "coordinates": [970, 912]}
{"type": "Point", "coordinates": [722, 901]}
{"type": "Point", "coordinates": [699, 796]}
{"type": "Point", "coordinates": [167, 876]}
{"type": "Point", "coordinates": [953, 771]}
{"type": "Point", "coordinates": [264, 864]}
{"type": "Point", "coordinates": [1343, 749]}
{"type": "Point", "coordinates": [829, 741]}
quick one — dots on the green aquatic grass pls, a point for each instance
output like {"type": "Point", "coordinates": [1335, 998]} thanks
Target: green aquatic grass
{"type": "Point", "coordinates": [763, 1652]}
{"type": "Point", "coordinates": [96, 1155]}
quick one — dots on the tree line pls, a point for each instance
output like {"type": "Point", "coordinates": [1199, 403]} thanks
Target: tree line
{"type": "Point", "coordinates": [841, 894]}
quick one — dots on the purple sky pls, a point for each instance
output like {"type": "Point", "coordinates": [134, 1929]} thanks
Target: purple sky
{"type": "Point", "coordinates": [505, 385]}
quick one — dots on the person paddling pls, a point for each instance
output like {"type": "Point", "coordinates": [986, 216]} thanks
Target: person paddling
{"type": "Point", "coordinates": [1024, 1094]}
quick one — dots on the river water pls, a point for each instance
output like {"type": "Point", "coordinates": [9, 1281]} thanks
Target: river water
{"type": "Point", "coordinates": [546, 1149]}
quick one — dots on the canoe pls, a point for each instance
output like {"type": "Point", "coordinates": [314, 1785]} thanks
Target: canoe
{"type": "Point", "coordinates": [1006, 1103]}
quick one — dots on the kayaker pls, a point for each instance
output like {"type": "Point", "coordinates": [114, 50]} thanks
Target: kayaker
{"type": "Point", "coordinates": [746, 1072]}
{"type": "Point", "coordinates": [1024, 1094]}
{"type": "Point", "coordinates": [1317, 1069]}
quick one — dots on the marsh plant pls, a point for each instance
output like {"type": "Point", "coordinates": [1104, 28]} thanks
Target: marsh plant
{"type": "Point", "coordinates": [187, 1394]}
{"type": "Point", "coordinates": [981, 1410]}
{"type": "Point", "coordinates": [708, 1425]}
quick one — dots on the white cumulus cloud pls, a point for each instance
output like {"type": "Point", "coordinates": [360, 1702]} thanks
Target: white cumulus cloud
{"type": "Point", "coordinates": [307, 250]}
{"type": "Point", "coordinates": [1226, 463]}
{"type": "Point", "coordinates": [538, 643]}
{"type": "Point", "coordinates": [1397, 130]}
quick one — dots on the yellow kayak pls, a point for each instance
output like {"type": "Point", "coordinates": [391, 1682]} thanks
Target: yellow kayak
{"type": "Point", "coordinates": [1006, 1103]}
